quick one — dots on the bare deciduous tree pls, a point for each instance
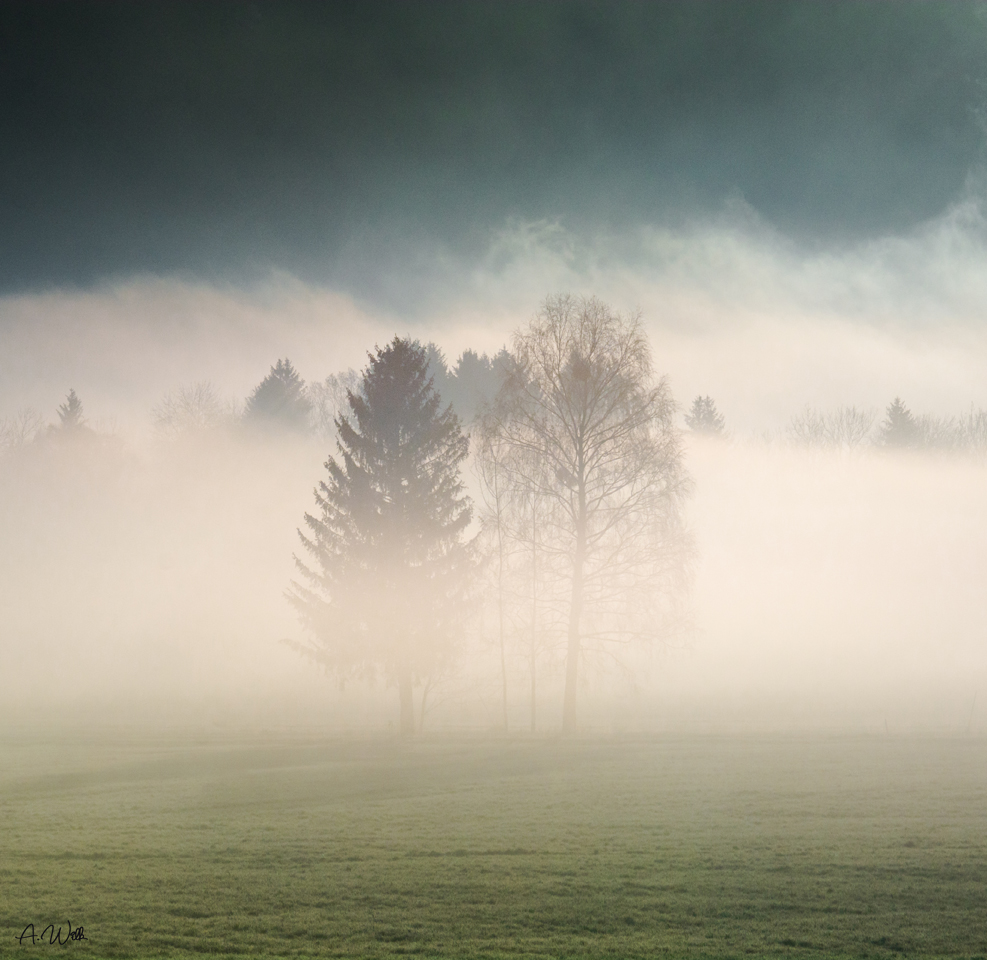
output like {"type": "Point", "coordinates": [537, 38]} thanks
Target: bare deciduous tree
{"type": "Point", "coordinates": [941, 434]}
{"type": "Point", "coordinates": [21, 428]}
{"type": "Point", "coordinates": [328, 398]}
{"type": "Point", "coordinates": [591, 433]}
{"type": "Point", "coordinates": [846, 428]}
{"type": "Point", "coordinates": [189, 409]}
{"type": "Point", "coordinates": [849, 427]}
{"type": "Point", "coordinates": [973, 428]}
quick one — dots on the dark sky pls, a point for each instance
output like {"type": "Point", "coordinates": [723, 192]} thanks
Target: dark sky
{"type": "Point", "coordinates": [340, 141]}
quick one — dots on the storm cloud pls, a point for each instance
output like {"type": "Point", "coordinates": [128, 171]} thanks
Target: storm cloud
{"type": "Point", "coordinates": [355, 144]}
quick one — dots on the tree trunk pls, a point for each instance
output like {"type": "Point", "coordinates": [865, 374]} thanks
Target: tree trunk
{"type": "Point", "coordinates": [534, 606]}
{"type": "Point", "coordinates": [573, 646]}
{"type": "Point", "coordinates": [575, 613]}
{"type": "Point", "coordinates": [533, 693]}
{"type": "Point", "coordinates": [407, 704]}
{"type": "Point", "coordinates": [421, 709]}
{"type": "Point", "coordinates": [500, 598]}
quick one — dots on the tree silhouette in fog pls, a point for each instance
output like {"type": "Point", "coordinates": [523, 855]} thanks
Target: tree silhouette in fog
{"type": "Point", "coordinates": [472, 384]}
{"type": "Point", "coordinates": [70, 413]}
{"type": "Point", "coordinates": [844, 429]}
{"type": "Point", "coordinates": [280, 400]}
{"type": "Point", "coordinates": [704, 418]}
{"type": "Point", "coordinates": [899, 428]}
{"type": "Point", "coordinates": [592, 435]}
{"type": "Point", "coordinates": [190, 410]}
{"type": "Point", "coordinates": [387, 586]}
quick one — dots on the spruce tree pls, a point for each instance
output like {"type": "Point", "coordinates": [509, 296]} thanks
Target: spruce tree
{"type": "Point", "coordinates": [70, 412]}
{"type": "Point", "coordinates": [280, 400]}
{"type": "Point", "coordinates": [900, 428]}
{"type": "Point", "coordinates": [386, 588]}
{"type": "Point", "coordinates": [704, 418]}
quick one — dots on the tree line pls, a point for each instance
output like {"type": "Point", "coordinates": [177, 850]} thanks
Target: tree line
{"type": "Point", "coordinates": [283, 403]}
{"type": "Point", "coordinates": [848, 428]}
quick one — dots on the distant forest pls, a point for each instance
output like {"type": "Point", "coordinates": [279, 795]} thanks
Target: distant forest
{"type": "Point", "coordinates": [284, 403]}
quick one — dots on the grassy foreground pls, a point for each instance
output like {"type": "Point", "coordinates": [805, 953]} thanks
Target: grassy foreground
{"type": "Point", "coordinates": [672, 846]}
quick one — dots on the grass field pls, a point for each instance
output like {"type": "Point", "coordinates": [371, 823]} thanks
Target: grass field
{"type": "Point", "coordinates": [675, 846]}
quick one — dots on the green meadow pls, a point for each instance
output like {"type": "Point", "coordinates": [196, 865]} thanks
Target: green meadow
{"type": "Point", "coordinates": [675, 846]}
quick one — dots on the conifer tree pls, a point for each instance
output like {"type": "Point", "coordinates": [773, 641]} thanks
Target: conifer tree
{"type": "Point", "coordinates": [70, 412]}
{"type": "Point", "coordinates": [704, 418]}
{"type": "Point", "coordinates": [387, 584]}
{"type": "Point", "coordinates": [900, 428]}
{"type": "Point", "coordinates": [280, 399]}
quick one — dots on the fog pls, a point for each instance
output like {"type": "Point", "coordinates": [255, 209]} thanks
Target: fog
{"type": "Point", "coordinates": [144, 576]}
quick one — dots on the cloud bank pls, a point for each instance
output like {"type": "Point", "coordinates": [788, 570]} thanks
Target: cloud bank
{"type": "Point", "coordinates": [734, 309]}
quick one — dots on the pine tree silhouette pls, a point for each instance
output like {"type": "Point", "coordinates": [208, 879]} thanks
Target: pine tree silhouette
{"type": "Point", "coordinates": [704, 418]}
{"type": "Point", "coordinates": [900, 428]}
{"type": "Point", "coordinates": [388, 582]}
{"type": "Point", "coordinates": [70, 412]}
{"type": "Point", "coordinates": [280, 399]}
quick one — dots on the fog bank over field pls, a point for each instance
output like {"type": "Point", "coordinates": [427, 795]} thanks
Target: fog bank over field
{"type": "Point", "coordinates": [145, 577]}
{"type": "Point", "coordinates": [835, 592]}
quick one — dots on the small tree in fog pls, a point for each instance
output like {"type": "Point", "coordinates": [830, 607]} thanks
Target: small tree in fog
{"type": "Point", "coordinates": [940, 434]}
{"type": "Point", "coordinates": [22, 428]}
{"type": "Point", "coordinates": [280, 400]}
{"type": "Point", "coordinates": [849, 427]}
{"type": "Point", "coordinates": [70, 413]}
{"type": "Point", "coordinates": [845, 428]}
{"type": "Point", "coordinates": [899, 429]}
{"type": "Point", "coordinates": [704, 418]}
{"type": "Point", "coordinates": [808, 429]}
{"type": "Point", "coordinates": [188, 410]}
{"type": "Point", "coordinates": [387, 585]}
{"type": "Point", "coordinates": [973, 430]}
{"type": "Point", "coordinates": [593, 435]}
